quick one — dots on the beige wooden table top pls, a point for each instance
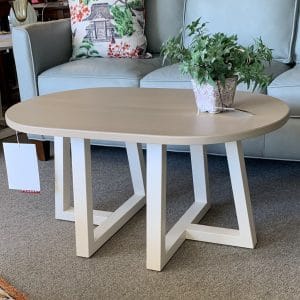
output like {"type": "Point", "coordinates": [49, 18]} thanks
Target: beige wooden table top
{"type": "Point", "coordinates": [162, 116]}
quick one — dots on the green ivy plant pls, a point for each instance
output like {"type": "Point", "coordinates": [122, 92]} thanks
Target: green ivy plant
{"type": "Point", "coordinates": [215, 57]}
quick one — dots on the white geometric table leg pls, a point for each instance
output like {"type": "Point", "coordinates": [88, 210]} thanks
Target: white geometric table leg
{"type": "Point", "coordinates": [200, 174]}
{"type": "Point", "coordinates": [137, 167]}
{"type": "Point", "coordinates": [62, 163]}
{"type": "Point", "coordinates": [177, 234]}
{"type": "Point", "coordinates": [88, 238]}
{"type": "Point", "coordinates": [241, 194]}
{"type": "Point", "coordinates": [63, 206]}
{"type": "Point", "coordinates": [245, 235]}
{"type": "Point", "coordinates": [156, 206]}
{"type": "Point", "coordinates": [83, 198]}
{"type": "Point", "coordinates": [161, 246]}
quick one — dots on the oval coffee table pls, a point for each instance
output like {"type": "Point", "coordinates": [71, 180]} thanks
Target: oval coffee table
{"type": "Point", "coordinates": [156, 117]}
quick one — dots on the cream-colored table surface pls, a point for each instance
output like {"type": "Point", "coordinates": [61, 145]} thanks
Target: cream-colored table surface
{"type": "Point", "coordinates": [155, 117]}
{"type": "Point", "coordinates": [145, 116]}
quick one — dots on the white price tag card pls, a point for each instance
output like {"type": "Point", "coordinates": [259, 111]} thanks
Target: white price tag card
{"type": "Point", "coordinates": [22, 167]}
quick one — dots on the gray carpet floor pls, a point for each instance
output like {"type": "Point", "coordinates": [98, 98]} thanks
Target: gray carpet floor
{"type": "Point", "coordinates": [37, 252]}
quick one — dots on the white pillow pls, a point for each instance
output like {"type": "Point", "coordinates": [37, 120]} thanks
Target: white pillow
{"type": "Point", "coordinates": [109, 28]}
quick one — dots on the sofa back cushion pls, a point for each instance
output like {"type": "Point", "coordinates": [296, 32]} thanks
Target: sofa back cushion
{"type": "Point", "coordinates": [297, 42]}
{"type": "Point", "coordinates": [164, 18]}
{"type": "Point", "coordinates": [272, 20]}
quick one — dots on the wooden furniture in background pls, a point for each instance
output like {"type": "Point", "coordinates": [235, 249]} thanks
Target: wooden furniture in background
{"type": "Point", "coordinates": [9, 92]}
{"type": "Point", "coordinates": [52, 10]}
{"type": "Point", "coordinates": [4, 12]}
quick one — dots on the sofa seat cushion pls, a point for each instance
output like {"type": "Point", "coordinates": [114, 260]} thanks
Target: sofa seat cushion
{"type": "Point", "coordinates": [287, 88]}
{"type": "Point", "coordinates": [96, 72]}
{"type": "Point", "coordinates": [171, 77]}
{"type": "Point", "coordinates": [167, 77]}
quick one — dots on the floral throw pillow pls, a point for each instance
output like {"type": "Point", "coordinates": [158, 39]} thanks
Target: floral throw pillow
{"type": "Point", "coordinates": [110, 28]}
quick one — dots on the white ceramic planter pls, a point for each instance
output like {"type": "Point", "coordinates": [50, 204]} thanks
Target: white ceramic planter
{"type": "Point", "coordinates": [213, 99]}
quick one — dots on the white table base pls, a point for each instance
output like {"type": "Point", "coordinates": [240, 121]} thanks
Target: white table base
{"type": "Point", "coordinates": [88, 238]}
{"type": "Point", "coordinates": [162, 246]}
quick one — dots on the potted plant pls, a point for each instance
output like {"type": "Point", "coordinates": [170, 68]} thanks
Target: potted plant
{"type": "Point", "coordinates": [217, 63]}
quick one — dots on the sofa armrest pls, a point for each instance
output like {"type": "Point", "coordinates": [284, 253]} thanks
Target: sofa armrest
{"type": "Point", "coordinates": [38, 47]}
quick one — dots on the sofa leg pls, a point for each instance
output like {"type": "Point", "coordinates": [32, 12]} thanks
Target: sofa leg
{"type": "Point", "coordinates": [42, 149]}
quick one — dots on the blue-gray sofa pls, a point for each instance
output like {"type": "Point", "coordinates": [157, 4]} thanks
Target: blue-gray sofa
{"type": "Point", "coordinates": [42, 53]}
